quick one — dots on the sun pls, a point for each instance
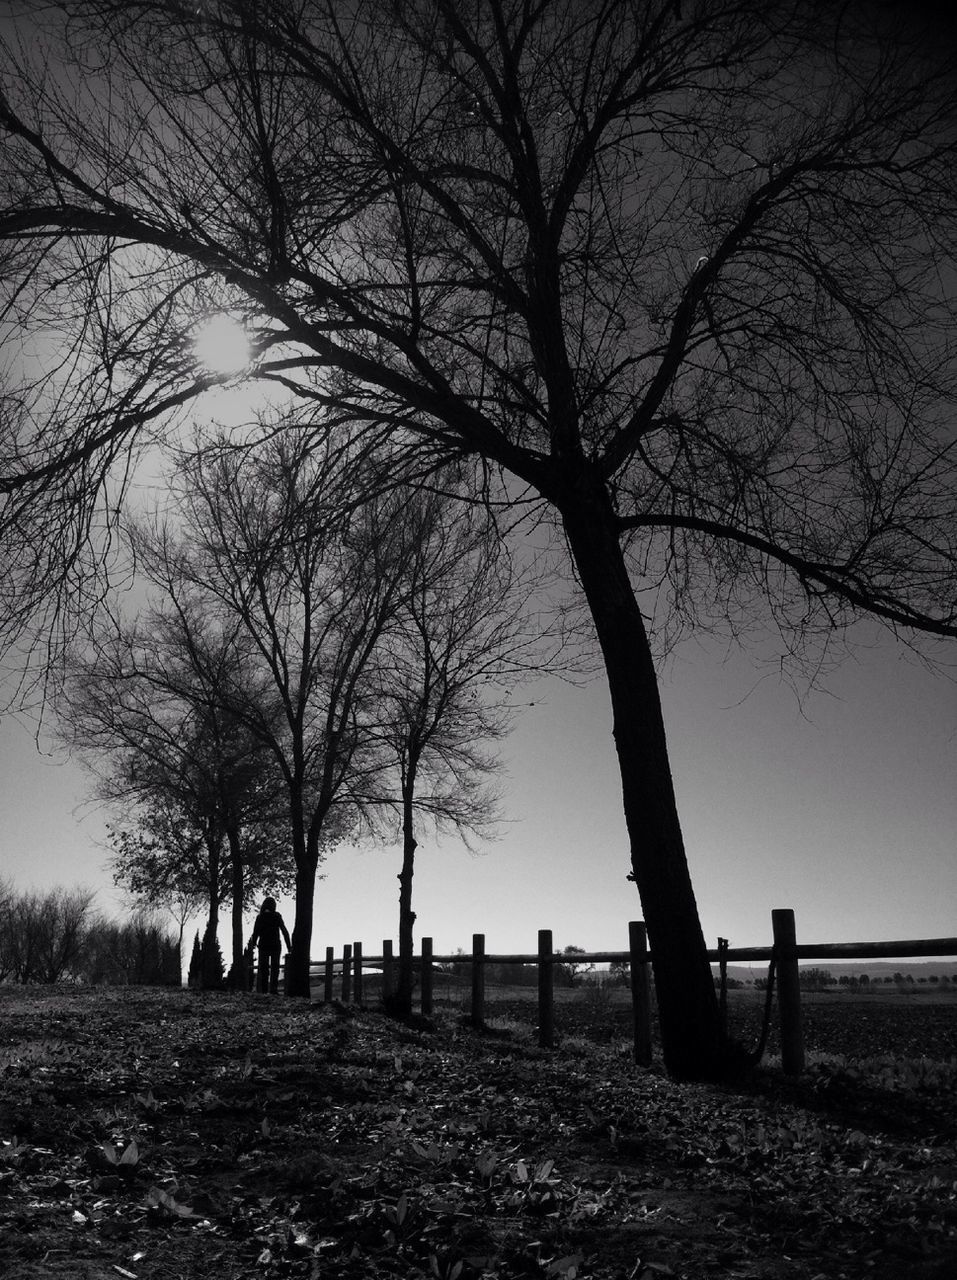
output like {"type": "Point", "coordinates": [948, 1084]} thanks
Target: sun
{"type": "Point", "coordinates": [221, 345]}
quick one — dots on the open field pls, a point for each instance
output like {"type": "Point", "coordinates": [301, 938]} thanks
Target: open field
{"type": "Point", "coordinates": [166, 1135]}
{"type": "Point", "coordinates": [835, 1022]}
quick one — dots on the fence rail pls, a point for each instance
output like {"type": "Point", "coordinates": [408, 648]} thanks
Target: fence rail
{"type": "Point", "coordinates": [785, 953]}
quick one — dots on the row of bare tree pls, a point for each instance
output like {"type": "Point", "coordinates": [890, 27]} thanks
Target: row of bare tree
{"type": "Point", "coordinates": [673, 279]}
{"type": "Point", "coordinates": [319, 657]}
{"type": "Point", "coordinates": [58, 935]}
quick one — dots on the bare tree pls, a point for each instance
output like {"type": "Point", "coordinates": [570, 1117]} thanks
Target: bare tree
{"type": "Point", "coordinates": [141, 709]}
{"type": "Point", "coordinates": [308, 584]}
{"type": "Point", "coordinates": [462, 637]}
{"type": "Point", "coordinates": [43, 936]}
{"type": "Point", "coordinates": [679, 269]}
{"type": "Point", "coordinates": [7, 905]}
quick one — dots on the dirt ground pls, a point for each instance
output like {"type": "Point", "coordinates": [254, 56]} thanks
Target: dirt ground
{"type": "Point", "coordinates": [166, 1135]}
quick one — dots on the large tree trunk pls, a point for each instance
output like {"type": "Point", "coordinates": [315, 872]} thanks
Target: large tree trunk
{"type": "Point", "coordinates": [300, 953]}
{"type": "Point", "coordinates": [212, 975]}
{"type": "Point", "coordinates": [238, 966]}
{"type": "Point", "coordinates": [687, 1004]}
{"type": "Point", "coordinates": [306, 852]}
{"type": "Point", "coordinates": [403, 993]}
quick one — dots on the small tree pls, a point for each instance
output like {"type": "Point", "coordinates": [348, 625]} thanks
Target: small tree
{"type": "Point", "coordinates": [569, 970]}
{"type": "Point", "coordinates": [141, 710]}
{"type": "Point", "coordinates": [815, 979]}
{"type": "Point", "coordinates": [195, 972]}
{"type": "Point", "coordinates": [306, 580]}
{"type": "Point", "coordinates": [461, 634]}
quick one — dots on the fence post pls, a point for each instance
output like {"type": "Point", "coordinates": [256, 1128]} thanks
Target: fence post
{"type": "Point", "coordinates": [286, 964]}
{"type": "Point", "coordinates": [346, 973]}
{"type": "Point", "coordinates": [546, 990]}
{"type": "Point", "coordinates": [427, 976]}
{"type": "Point", "coordinates": [329, 974]}
{"type": "Point", "coordinates": [723, 987]}
{"type": "Point", "coordinates": [640, 991]}
{"type": "Point", "coordinates": [789, 991]}
{"type": "Point", "coordinates": [478, 979]}
{"type": "Point", "coordinates": [386, 968]}
{"type": "Point", "coordinates": [357, 972]}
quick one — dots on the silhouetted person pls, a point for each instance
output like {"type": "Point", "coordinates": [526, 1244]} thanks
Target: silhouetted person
{"type": "Point", "coordinates": [268, 934]}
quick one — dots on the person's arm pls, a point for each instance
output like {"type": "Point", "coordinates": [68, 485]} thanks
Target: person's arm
{"type": "Point", "coordinates": [285, 933]}
{"type": "Point", "coordinates": [255, 938]}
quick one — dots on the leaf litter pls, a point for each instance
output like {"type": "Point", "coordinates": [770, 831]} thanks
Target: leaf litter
{"type": "Point", "coordinates": [159, 1135]}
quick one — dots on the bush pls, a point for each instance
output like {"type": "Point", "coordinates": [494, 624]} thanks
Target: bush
{"type": "Point", "coordinates": [44, 936]}
{"type": "Point", "coordinates": [138, 953]}
{"type": "Point", "coordinates": [55, 936]}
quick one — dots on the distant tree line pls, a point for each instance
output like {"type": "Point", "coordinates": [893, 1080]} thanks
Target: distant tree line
{"type": "Point", "coordinates": [57, 936]}
{"type": "Point", "coordinates": [567, 971]}
{"type": "Point", "coordinates": [822, 979]}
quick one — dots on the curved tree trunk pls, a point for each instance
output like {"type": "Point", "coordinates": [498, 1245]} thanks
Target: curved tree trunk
{"type": "Point", "coordinates": [687, 1004]}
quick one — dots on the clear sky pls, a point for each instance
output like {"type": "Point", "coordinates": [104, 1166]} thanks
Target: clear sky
{"type": "Point", "coordinates": [843, 807]}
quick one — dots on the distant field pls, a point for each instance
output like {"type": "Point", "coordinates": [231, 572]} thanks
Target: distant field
{"type": "Point", "coordinates": [854, 1024]}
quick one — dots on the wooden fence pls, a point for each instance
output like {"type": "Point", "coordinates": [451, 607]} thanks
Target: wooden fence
{"type": "Point", "coordinates": [785, 952]}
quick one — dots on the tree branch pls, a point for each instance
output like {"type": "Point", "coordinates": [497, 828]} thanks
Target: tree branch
{"type": "Point", "coordinates": [833, 578]}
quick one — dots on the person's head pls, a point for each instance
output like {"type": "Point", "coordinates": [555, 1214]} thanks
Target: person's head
{"type": "Point", "coordinates": [269, 904]}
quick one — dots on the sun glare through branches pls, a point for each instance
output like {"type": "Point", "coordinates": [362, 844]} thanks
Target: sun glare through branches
{"type": "Point", "coordinates": [221, 345]}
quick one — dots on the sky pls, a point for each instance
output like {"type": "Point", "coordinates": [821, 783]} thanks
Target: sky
{"type": "Point", "coordinates": [841, 805]}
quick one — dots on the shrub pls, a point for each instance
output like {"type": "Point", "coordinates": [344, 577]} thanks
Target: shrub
{"type": "Point", "coordinates": [54, 936]}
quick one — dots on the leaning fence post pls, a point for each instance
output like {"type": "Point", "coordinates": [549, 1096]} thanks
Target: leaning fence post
{"type": "Point", "coordinates": [357, 972]}
{"type": "Point", "coordinates": [478, 979]}
{"type": "Point", "coordinates": [329, 974]}
{"type": "Point", "coordinates": [346, 973]}
{"type": "Point", "coordinates": [386, 968]}
{"type": "Point", "coordinates": [426, 977]}
{"type": "Point", "coordinates": [546, 990]}
{"type": "Point", "coordinates": [640, 991]}
{"type": "Point", "coordinates": [789, 991]}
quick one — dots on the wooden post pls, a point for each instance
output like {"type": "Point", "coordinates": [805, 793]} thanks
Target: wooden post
{"type": "Point", "coordinates": [723, 987]}
{"type": "Point", "coordinates": [478, 979]}
{"type": "Point", "coordinates": [346, 973]}
{"type": "Point", "coordinates": [357, 972]}
{"type": "Point", "coordinates": [387, 974]}
{"type": "Point", "coordinates": [640, 991]}
{"type": "Point", "coordinates": [427, 976]}
{"type": "Point", "coordinates": [286, 962]}
{"type": "Point", "coordinates": [546, 990]}
{"type": "Point", "coordinates": [329, 974]}
{"type": "Point", "coordinates": [789, 991]}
